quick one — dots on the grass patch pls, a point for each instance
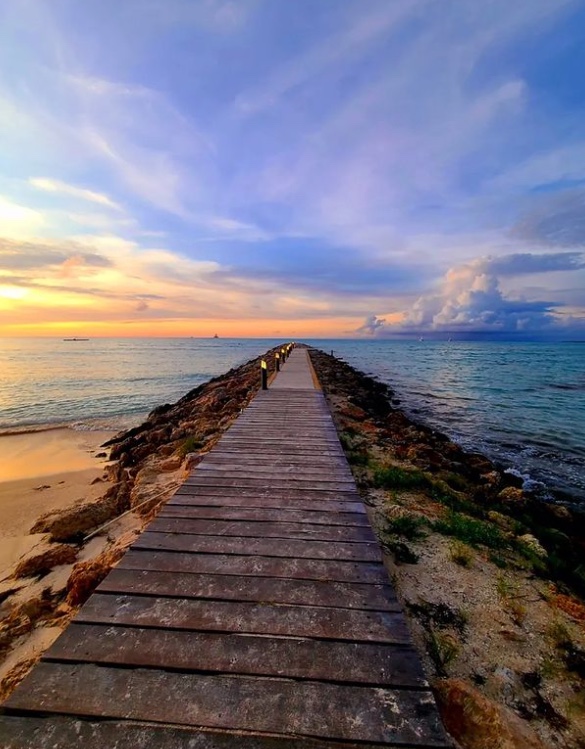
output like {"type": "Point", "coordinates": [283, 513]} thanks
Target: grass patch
{"type": "Point", "coordinates": [443, 649]}
{"type": "Point", "coordinates": [191, 445]}
{"type": "Point", "coordinates": [499, 561]}
{"type": "Point", "coordinates": [461, 554]}
{"type": "Point", "coordinates": [444, 495]}
{"type": "Point", "coordinates": [410, 527]}
{"type": "Point", "coordinates": [559, 634]}
{"type": "Point", "coordinates": [471, 531]}
{"type": "Point", "coordinates": [358, 458]}
{"type": "Point", "coordinates": [393, 477]}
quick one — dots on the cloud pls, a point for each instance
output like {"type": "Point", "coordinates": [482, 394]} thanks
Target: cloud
{"type": "Point", "coordinates": [56, 186]}
{"type": "Point", "coordinates": [524, 263]}
{"type": "Point", "coordinates": [371, 325]}
{"type": "Point", "coordinates": [31, 255]}
{"type": "Point", "coordinates": [17, 220]}
{"type": "Point", "coordinates": [471, 299]}
{"type": "Point", "coordinates": [556, 219]}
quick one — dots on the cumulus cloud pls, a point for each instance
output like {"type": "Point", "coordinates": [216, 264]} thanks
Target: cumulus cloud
{"type": "Point", "coordinates": [470, 299]}
{"type": "Point", "coordinates": [371, 325]}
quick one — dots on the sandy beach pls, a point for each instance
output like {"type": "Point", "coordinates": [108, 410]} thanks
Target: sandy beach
{"type": "Point", "coordinates": [40, 472]}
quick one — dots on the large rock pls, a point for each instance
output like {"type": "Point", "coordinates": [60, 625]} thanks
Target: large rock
{"type": "Point", "coordinates": [73, 522]}
{"type": "Point", "coordinates": [511, 495]}
{"type": "Point", "coordinates": [43, 558]}
{"type": "Point", "coordinates": [478, 723]}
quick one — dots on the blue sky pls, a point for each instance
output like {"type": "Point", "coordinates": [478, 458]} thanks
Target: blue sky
{"type": "Point", "coordinates": [310, 167]}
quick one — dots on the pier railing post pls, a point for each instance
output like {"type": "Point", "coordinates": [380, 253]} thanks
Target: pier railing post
{"type": "Point", "coordinates": [277, 361]}
{"type": "Point", "coordinates": [264, 375]}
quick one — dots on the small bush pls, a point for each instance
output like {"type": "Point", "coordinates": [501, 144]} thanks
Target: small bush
{"type": "Point", "coordinates": [559, 634]}
{"type": "Point", "coordinates": [471, 531]}
{"type": "Point", "coordinates": [407, 526]}
{"type": "Point", "coordinates": [356, 458]}
{"type": "Point", "coordinates": [461, 554]}
{"type": "Point", "coordinates": [392, 477]}
{"type": "Point", "coordinates": [443, 648]}
{"type": "Point", "coordinates": [499, 561]}
{"type": "Point", "coordinates": [190, 445]}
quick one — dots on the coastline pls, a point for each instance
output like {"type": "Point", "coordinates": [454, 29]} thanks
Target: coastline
{"type": "Point", "coordinates": [464, 628]}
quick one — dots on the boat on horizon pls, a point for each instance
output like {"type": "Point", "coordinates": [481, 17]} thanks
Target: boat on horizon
{"type": "Point", "coordinates": [76, 339]}
{"type": "Point", "coordinates": [216, 336]}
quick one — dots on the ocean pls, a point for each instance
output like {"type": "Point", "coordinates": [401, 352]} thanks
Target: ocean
{"type": "Point", "coordinates": [522, 404]}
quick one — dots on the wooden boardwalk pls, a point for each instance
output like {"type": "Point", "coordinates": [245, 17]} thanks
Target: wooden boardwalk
{"type": "Point", "coordinates": [253, 612]}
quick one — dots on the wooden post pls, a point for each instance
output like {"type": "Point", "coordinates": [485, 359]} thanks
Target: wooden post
{"type": "Point", "coordinates": [264, 375]}
{"type": "Point", "coordinates": [277, 361]}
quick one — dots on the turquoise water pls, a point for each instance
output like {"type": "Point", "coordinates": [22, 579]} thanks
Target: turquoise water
{"type": "Point", "coordinates": [521, 403]}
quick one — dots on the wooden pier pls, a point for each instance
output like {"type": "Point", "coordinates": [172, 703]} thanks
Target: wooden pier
{"type": "Point", "coordinates": [253, 612]}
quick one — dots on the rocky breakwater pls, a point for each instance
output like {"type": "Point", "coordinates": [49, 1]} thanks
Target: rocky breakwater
{"type": "Point", "coordinates": [492, 578]}
{"type": "Point", "coordinates": [72, 552]}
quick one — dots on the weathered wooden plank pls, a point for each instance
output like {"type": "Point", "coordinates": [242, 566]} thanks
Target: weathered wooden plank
{"type": "Point", "coordinates": [276, 483]}
{"type": "Point", "coordinates": [242, 703]}
{"type": "Point", "coordinates": [279, 473]}
{"type": "Point", "coordinates": [214, 564]}
{"type": "Point", "coordinates": [60, 732]}
{"type": "Point", "coordinates": [242, 458]}
{"type": "Point", "coordinates": [248, 588]}
{"type": "Point", "coordinates": [325, 660]}
{"type": "Point", "coordinates": [264, 514]}
{"type": "Point", "coordinates": [330, 506]}
{"type": "Point", "coordinates": [269, 547]}
{"type": "Point", "coordinates": [291, 494]}
{"type": "Point", "coordinates": [269, 529]}
{"type": "Point", "coordinates": [277, 451]}
{"type": "Point", "coordinates": [245, 617]}
{"type": "Point", "coordinates": [305, 468]}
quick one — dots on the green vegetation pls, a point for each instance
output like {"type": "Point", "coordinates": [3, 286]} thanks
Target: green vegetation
{"type": "Point", "coordinates": [443, 649]}
{"type": "Point", "coordinates": [410, 527]}
{"type": "Point", "coordinates": [471, 531]}
{"type": "Point", "coordinates": [461, 554]}
{"type": "Point", "coordinates": [191, 445]}
{"type": "Point", "coordinates": [393, 477]}
{"type": "Point", "coordinates": [358, 458]}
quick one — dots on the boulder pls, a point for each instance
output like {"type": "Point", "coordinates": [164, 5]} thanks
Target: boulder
{"type": "Point", "coordinates": [476, 722]}
{"type": "Point", "coordinates": [172, 463]}
{"type": "Point", "coordinates": [511, 495]}
{"type": "Point", "coordinates": [72, 522]}
{"type": "Point", "coordinates": [43, 558]}
{"type": "Point", "coordinates": [191, 460]}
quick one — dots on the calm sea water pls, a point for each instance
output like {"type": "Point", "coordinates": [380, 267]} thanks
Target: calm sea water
{"type": "Point", "coordinates": [521, 403]}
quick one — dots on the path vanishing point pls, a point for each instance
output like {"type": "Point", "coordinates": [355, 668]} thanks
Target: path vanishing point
{"type": "Point", "coordinates": [253, 612]}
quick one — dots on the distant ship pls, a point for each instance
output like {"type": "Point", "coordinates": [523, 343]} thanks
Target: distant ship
{"type": "Point", "coordinates": [76, 339]}
{"type": "Point", "coordinates": [216, 336]}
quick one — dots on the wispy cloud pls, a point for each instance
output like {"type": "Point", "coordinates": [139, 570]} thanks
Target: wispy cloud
{"type": "Point", "coordinates": [57, 186]}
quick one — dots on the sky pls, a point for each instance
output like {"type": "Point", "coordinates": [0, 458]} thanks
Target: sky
{"type": "Point", "coordinates": [316, 168]}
